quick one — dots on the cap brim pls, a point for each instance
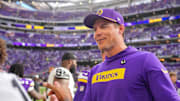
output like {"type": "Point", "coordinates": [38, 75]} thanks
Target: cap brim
{"type": "Point", "coordinates": [90, 20]}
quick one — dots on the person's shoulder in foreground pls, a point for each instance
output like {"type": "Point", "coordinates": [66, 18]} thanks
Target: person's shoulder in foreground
{"type": "Point", "coordinates": [11, 89]}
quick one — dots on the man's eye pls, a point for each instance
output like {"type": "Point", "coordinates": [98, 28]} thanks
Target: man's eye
{"type": "Point", "coordinates": [104, 25]}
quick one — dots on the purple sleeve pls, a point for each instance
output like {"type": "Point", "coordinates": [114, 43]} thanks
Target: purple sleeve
{"type": "Point", "coordinates": [158, 81]}
{"type": "Point", "coordinates": [87, 96]}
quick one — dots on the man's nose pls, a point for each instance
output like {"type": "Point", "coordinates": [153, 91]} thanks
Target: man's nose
{"type": "Point", "coordinates": [97, 33]}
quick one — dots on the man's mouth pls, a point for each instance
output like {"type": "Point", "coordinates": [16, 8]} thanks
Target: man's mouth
{"type": "Point", "coordinates": [101, 40]}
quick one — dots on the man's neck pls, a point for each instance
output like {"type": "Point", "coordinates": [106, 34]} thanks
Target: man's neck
{"type": "Point", "coordinates": [65, 66]}
{"type": "Point", "coordinates": [115, 50]}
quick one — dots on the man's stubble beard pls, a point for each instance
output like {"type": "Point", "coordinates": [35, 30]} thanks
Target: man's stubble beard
{"type": "Point", "coordinates": [108, 48]}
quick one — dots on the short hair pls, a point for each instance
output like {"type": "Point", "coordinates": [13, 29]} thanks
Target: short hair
{"type": "Point", "coordinates": [17, 69]}
{"type": "Point", "coordinates": [172, 74]}
{"type": "Point", "coordinates": [3, 53]}
{"type": "Point", "coordinates": [68, 56]}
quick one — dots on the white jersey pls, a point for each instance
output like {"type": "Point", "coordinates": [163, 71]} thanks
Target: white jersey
{"type": "Point", "coordinates": [11, 88]}
{"type": "Point", "coordinates": [62, 73]}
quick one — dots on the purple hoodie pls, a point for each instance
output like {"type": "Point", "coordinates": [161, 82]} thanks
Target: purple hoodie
{"type": "Point", "coordinates": [130, 75]}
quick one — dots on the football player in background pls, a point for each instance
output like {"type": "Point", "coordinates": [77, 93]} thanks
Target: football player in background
{"type": "Point", "coordinates": [82, 82]}
{"type": "Point", "coordinates": [62, 93]}
{"type": "Point", "coordinates": [64, 75]}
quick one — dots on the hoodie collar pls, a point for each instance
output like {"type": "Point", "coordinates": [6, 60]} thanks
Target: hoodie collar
{"type": "Point", "coordinates": [122, 54]}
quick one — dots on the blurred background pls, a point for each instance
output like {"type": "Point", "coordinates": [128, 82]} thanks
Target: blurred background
{"type": "Point", "coordinates": [39, 32]}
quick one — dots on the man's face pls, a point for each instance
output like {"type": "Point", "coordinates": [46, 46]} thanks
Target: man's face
{"type": "Point", "coordinates": [173, 78]}
{"type": "Point", "coordinates": [106, 34]}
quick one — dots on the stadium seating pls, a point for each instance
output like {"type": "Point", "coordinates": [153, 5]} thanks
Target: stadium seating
{"type": "Point", "coordinates": [40, 15]}
{"type": "Point", "coordinates": [64, 16]}
{"type": "Point", "coordinates": [131, 35]}
{"type": "Point", "coordinates": [39, 60]}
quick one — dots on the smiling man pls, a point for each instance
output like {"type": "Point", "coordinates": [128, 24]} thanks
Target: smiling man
{"type": "Point", "coordinates": [127, 74]}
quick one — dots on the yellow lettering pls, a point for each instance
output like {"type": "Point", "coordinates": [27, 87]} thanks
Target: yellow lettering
{"type": "Point", "coordinates": [109, 75]}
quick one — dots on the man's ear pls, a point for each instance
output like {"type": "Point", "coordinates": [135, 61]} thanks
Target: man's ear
{"type": "Point", "coordinates": [121, 30]}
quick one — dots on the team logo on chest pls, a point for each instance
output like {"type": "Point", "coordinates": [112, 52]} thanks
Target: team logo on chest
{"type": "Point", "coordinates": [123, 62]}
{"type": "Point", "coordinates": [110, 75]}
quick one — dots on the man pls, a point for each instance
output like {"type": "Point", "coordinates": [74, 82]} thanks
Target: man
{"type": "Point", "coordinates": [175, 82]}
{"type": "Point", "coordinates": [28, 84]}
{"type": "Point", "coordinates": [63, 74]}
{"type": "Point", "coordinates": [62, 92]}
{"type": "Point", "coordinates": [127, 74]}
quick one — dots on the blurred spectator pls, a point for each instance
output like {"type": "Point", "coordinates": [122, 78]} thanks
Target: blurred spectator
{"type": "Point", "coordinates": [175, 82]}
{"type": "Point", "coordinates": [36, 84]}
